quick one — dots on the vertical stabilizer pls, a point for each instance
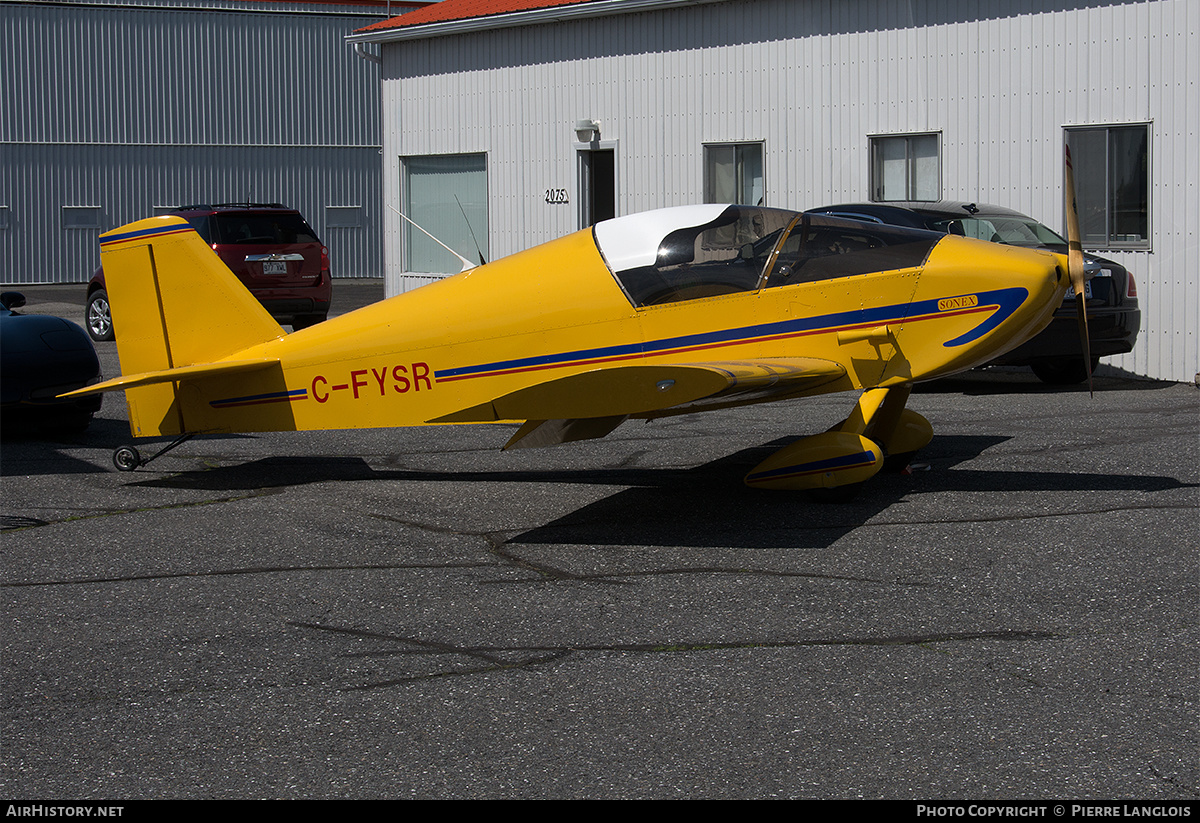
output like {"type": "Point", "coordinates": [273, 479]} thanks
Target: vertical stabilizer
{"type": "Point", "coordinates": [174, 303]}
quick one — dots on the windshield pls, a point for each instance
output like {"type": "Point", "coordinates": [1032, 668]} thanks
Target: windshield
{"type": "Point", "coordinates": [690, 252]}
{"type": "Point", "coordinates": [694, 252]}
{"type": "Point", "coordinates": [1011, 231]}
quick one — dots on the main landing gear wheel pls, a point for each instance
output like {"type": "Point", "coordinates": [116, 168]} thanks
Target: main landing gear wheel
{"type": "Point", "coordinates": [126, 458]}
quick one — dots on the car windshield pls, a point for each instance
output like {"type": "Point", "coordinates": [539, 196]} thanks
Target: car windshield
{"type": "Point", "coordinates": [261, 229]}
{"type": "Point", "coordinates": [1012, 231]}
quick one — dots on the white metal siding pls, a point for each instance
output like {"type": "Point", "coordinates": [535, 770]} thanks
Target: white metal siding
{"type": "Point", "coordinates": [813, 80]}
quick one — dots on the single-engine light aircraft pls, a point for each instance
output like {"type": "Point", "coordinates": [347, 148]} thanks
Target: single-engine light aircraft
{"type": "Point", "coordinates": [668, 312]}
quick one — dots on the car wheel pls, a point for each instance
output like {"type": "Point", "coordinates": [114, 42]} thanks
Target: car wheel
{"type": "Point", "coordinates": [99, 317]}
{"type": "Point", "coordinates": [1064, 372]}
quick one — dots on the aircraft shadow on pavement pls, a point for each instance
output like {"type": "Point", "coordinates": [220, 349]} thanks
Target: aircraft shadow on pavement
{"type": "Point", "coordinates": [703, 506]}
{"type": "Point", "coordinates": [29, 451]}
{"type": "Point", "coordinates": [1009, 381]}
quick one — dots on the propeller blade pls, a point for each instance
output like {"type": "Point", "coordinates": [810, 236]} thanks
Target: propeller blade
{"type": "Point", "coordinates": [1075, 270]}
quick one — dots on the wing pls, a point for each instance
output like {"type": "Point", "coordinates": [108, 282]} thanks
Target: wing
{"type": "Point", "coordinates": [592, 403]}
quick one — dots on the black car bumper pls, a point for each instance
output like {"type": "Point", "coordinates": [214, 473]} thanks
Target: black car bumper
{"type": "Point", "coordinates": [1110, 331]}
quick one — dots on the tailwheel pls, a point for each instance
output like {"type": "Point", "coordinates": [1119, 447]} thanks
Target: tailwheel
{"type": "Point", "coordinates": [126, 458]}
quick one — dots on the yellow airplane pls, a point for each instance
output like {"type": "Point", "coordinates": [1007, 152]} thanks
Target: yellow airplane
{"type": "Point", "coordinates": [667, 312]}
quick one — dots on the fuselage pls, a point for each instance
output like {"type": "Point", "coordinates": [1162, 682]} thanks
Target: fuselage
{"type": "Point", "coordinates": [615, 295]}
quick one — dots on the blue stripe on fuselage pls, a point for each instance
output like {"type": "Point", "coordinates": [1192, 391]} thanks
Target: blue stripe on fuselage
{"type": "Point", "coordinates": [1003, 301]}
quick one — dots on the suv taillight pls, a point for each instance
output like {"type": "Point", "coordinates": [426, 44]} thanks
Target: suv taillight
{"type": "Point", "coordinates": [1130, 286]}
{"type": "Point", "coordinates": [324, 263]}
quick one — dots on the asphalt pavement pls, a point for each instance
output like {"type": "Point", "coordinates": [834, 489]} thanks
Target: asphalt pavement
{"type": "Point", "coordinates": [412, 613]}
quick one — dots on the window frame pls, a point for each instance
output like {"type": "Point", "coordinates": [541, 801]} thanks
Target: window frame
{"type": "Point", "coordinates": [482, 237]}
{"type": "Point", "coordinates": [876, 143]}
{"type": "Point", "coordinates": [344, 217]}
{"type": "Point", "coordinates": [738, 147]}
{"type": "Point", "coordinates": [85, 218]}
{"type": "Point", "coordinates": [1084, 172]}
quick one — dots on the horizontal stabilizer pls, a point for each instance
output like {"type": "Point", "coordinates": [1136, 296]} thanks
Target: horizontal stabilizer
{"type": "Point", "coordinates": [178, 375]}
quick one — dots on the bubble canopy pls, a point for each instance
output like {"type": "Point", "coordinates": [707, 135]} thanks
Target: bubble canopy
{"type": "Point", "coordinates": [693, 252]}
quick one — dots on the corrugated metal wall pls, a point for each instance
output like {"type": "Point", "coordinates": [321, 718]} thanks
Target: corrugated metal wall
{"type": "Point", "coordinates": [814, 79]}
{"type": "Point", "coordinates": [136, 106]}
{"type": "Point", "coordinates": [130, 182]}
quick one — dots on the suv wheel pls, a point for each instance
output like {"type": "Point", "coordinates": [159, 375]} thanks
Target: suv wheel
{"type": "Point", "coordinates": [99, 317]}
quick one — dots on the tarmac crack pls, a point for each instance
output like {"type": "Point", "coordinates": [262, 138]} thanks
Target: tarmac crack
{"type": "Point", "coordinates": [494, 542]}
{"type": "Point", "coordinates": [245, 570]}
{"type": "Point", "coordinates": [13, 523]}
{"type": "Point", "coordinates": [509, 658]}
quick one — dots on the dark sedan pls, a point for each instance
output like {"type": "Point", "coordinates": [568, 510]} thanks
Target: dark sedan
{"type": "Point", "coordinates": [1054, 355]}
{"type": "Point", "coordinates": [42, 357]}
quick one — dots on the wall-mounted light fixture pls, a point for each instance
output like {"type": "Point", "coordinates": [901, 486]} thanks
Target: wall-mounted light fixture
{"type": "Point", "coordinates": [587, 130]}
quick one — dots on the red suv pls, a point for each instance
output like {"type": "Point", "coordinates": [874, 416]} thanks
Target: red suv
{"type": "Point", "coordinates": [270, 248]}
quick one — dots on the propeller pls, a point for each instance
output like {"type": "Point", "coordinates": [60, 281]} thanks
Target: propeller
{"type": "Point", "coordinates": [1075, 270]}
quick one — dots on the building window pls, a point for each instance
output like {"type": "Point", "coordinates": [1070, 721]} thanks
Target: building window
{"type": "Point", "coordinates": [906, 167]}
{"type": "Point", "coordinates": [81, 217]}
{"type": "Point", "coordinates": [446, 195]}
{"type": "Point", "coordinates": [1112, 185]}
{"type": "Point", "coordinates": [343, 217]}
{"type": "Point", "coordinates": [733, 173]}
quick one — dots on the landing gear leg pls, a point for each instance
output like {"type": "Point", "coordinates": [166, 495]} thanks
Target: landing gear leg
{"type": "Point", "coordinates": [127, 458]}
{"type": "Point", "coordinates": [900, 431]}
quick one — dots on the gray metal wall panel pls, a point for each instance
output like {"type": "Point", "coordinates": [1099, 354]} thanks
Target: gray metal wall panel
{"type": "Point", "coordinates": [127, 183]}
{"type": "Point", "coordinates": [813, 80]}
{"type": "Point", "coordinates": [161, 76]}
{"type": "Point", "coordinates": [134, 106]}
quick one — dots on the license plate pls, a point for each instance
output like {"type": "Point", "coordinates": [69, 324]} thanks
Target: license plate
{"type": "Point", "coordinates": [1069, 297]}
{"type": "Point", "coordinates": [274, 267]}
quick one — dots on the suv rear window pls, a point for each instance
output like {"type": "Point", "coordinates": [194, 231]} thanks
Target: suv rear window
{"type": "Point", "coordinates": [259, 229]}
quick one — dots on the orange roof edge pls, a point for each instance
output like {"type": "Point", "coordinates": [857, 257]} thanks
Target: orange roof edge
{"type": "Point", "coordinates": [449, 11]}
